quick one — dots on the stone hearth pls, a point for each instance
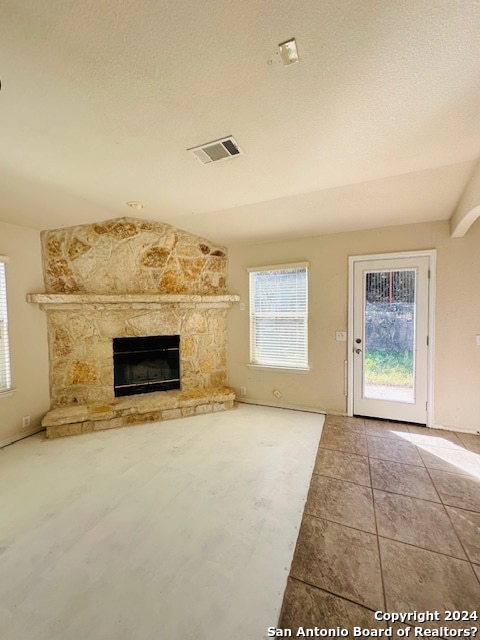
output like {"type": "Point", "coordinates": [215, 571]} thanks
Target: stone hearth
{"type": "Point", "coordinates": [129, 278]}
{"type": "Point", "coordinates": [132, 410]}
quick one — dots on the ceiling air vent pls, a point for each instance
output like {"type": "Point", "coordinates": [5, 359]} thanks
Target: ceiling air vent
{"type": "Point", "coordinates": [216, 150]}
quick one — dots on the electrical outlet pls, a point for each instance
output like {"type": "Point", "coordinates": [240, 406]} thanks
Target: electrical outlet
{"type": "Point", "coordinates": [243, 391]}
{"type": "Point", "coordinates": [242, 306]}
{"type": "Point", "coordinates": [25, 422]}
{"type": "Point", "coordinates": [277, 393]}
{"type": "Point", "coordinates": [341, 336]}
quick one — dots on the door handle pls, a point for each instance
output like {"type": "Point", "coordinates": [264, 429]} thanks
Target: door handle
{"type": "Point", "coordinates": [358, 351]}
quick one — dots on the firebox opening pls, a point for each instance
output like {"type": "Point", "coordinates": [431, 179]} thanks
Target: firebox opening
{"type": "Point", "coordinates": [146, 364]}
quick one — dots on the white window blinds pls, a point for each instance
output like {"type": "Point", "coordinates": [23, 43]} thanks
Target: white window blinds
{"type": "Point", "coordinates": [279, 316]}
{"type": "Point", "coordinates": [5, 381]}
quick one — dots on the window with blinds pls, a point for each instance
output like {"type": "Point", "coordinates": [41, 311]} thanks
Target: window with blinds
{"type": "Point", "coordinates": [279, 316]}
{"type": "Point", "coordinates": [5, 381]}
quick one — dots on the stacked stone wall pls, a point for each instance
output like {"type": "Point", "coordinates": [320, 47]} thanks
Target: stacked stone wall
{"type": "Point", "coordinates": [119, 258]}
{"type": "Point", "coordinates": [127, 255]}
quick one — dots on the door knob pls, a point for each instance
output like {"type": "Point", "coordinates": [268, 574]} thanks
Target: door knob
{"type": "Point", "coordinates": [358, 351]}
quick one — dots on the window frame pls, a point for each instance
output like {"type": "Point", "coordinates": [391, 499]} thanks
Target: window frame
{"type": "Point", "coordinates": [300, 366]}
{"type": "Point", "coordinates": [5, 361]}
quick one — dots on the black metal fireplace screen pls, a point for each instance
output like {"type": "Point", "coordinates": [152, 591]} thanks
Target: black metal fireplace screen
{"type": "Point", "coordinates": [146, 364]}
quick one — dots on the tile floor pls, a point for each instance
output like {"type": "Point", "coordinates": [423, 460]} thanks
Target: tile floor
{"type": "Point", "coordinates": [391, 523]}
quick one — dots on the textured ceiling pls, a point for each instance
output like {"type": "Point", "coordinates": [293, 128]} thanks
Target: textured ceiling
{"type": "Point", "coordinates": [378, 124]}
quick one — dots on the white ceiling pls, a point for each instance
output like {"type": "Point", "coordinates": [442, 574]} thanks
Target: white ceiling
{"type": "Point", "coordinates": [378, 124]}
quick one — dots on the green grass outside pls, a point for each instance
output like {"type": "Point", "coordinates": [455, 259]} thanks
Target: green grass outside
{"type": "Point", "coordinates": [389, 369]}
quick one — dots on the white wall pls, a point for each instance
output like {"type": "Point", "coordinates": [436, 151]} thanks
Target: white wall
{"type": "Point", "coordinates": [457, 371]}
{"type": "Point", "coordinates": [28, 334]}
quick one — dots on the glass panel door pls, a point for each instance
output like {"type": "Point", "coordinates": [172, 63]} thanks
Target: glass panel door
{"type": "Point", "coordinates": [390, 338]}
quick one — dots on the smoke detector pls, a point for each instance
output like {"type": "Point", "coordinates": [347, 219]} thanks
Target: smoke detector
{"type": "Point", "coordinates": [217, 150]}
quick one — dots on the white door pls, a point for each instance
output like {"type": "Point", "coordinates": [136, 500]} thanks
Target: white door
{"type": "Point", "coordinates": [389, 341]}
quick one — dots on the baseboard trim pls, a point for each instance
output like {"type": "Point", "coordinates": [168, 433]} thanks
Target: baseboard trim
{"type": "Point", "coordinates": [437, 427]}
{"type": "Point", "coordinates": [20, 436]}
{"type": "Point", "coordinates": [441, 427]}
{"type": "Point", "coordinates": [280, 405]}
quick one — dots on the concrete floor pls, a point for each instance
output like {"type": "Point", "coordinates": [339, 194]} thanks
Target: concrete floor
{"type": "Point", "coordinates": [182, 530]}
{"type": "Point", "coordinates": [391, 524]}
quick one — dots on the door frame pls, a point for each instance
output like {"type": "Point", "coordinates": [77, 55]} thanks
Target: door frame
{"type": "Point", "coordinates": [352, 260]}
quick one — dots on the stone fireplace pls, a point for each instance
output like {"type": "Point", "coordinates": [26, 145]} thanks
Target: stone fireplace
{"type": "Point", "coordinates": [110, 283]}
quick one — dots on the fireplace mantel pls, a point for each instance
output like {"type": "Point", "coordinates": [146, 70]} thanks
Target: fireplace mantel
{"type": "Point", "coordinates": [82, 327]}
{"type": "Point", "coordinates": [131, 278]}
{"type": "Point", "coordinates": [60, 301]}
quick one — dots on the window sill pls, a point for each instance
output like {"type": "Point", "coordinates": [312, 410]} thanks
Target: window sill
{"type": "Point", "coordinates": [267, 367]}
{"type": "Point", "coordinates": [6, 393]}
